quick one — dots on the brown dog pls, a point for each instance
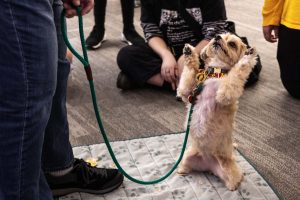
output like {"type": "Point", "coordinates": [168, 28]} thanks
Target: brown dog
{"type": "Point", "coordinates": [212, 122]}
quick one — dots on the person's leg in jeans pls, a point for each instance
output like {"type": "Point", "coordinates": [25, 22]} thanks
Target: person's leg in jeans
{"type": "Point", "coordinates": [57, 150]}
{"type": "Point", "coordinates": [64, 173]}
{"type": "Point", "coordinates": [288, 56]}
{"type": "Point", "coordinates": [28, 52]}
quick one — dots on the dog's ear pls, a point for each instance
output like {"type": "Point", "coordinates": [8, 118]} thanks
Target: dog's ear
{"type": "Point", "coordinates": [203, 53]}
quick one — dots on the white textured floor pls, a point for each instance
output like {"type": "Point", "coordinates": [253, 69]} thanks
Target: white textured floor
{"type": "Point", "coordinates": [150, 158]}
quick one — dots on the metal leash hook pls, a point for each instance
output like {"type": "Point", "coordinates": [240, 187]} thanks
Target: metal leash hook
{"type": "Point", "coordinates": [84, 60]}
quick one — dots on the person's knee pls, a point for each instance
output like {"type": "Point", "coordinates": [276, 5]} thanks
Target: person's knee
{"type": "Point", "coordinates": [124, 56]}
{"type": "Point", "coordinates": [293, 87]}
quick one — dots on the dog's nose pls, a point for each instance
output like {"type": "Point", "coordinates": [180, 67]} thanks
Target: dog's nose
{"type": "Point", "coordinates": [218, 37]}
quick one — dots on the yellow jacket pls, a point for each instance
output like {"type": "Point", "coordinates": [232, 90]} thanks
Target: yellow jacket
{"type": "Point", "coordinates": [286, 12]}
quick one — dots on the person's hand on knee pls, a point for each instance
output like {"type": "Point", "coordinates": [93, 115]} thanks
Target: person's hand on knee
{"type": "Point", "coordinates": [169, 70]}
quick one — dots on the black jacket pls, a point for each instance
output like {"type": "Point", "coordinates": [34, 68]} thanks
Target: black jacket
{"type": "Point", "coordinates": [161, 18]}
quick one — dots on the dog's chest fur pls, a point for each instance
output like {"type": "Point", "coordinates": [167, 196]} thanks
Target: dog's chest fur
{"type": "Point", "coordinates": [209, 117]}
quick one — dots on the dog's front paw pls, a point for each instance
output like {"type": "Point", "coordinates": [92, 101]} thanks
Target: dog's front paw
{"type": "Point", "coordinates": [250, 56]}
{"type": "Point", "coordinates": [191, 58]}
{"type": "Point", "coordinates": [187, 50]}
{"type": "Point", "coordinates": [247, 62]}
{"type": "Point", "coordinates": [251, 51]}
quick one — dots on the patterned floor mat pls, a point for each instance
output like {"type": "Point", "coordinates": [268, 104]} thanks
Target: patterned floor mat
{"type": "Point", "coordinates": [149, 158]}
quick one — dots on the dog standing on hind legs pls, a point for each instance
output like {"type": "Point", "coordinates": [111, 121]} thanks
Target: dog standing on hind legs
{"type": "Point", "coordinates": [212, 121]}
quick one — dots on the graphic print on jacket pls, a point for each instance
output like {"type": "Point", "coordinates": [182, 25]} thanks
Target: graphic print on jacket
{"type": "Point", "coordinates": [162, 18]}
{"type": "Point", "coordinates": [176, 29]}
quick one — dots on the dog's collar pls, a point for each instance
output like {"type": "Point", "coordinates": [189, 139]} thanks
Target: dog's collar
{"type": "Point", "coordinates": [216, 72]}
{"type": "Point", "coordinates": [210, 72]}
{"type": "Point", "coordinates": [201, 76]}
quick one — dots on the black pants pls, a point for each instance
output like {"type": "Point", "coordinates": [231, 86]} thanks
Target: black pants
{"type": "Point", "coordinates": [288, 56]}
{"type": "Point", "coordinates": [140, 62]}
{"type": "Point", "coordinates": [127, 13]}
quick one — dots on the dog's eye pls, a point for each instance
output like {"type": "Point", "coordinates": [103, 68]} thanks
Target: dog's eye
{"type": "Point", "coordinates": [232, 44]}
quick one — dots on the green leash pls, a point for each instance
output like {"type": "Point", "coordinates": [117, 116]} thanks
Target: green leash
{"type": "Point", "coordinates": [84, 60]}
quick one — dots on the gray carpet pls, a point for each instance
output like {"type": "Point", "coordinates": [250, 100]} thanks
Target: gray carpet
{"type": "Point", "coordinates": [267, 123]}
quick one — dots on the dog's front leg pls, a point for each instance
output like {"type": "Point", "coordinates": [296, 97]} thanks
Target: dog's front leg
{"type": "Point", "coordinates": [231, 87]}
{"type": "Point", "coordinates": [188, 77]}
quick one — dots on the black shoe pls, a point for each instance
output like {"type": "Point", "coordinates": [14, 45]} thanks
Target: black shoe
{"type": "Point", "coordinates": [130, 37]}
{"type": "Point", "coordinates": [95, 39]}
{"type": "Point", "coordinates": [124, 83]}
{"type": "Point", "coordinates": [85, 178]}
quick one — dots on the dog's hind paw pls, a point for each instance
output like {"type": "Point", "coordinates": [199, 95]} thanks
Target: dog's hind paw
{"type": "Point", "coordinates": [182, 171]}
{"type": "Point", "coordinates": [235, 145]}
{"type": "Point", "coordinates": [233, 185]}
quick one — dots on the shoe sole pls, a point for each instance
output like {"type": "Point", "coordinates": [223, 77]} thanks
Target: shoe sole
{"type": "Point", "coordinates": [93, 47]}
{"type": "Point", "coordinates": [96, 46]}
{"type": "Point", "coordinates": [62, 192]}
{"type": "Point", "coordinates": [123, 39]}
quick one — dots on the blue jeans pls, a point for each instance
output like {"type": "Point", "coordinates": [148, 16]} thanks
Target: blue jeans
{"type": "Point", "coordinates": [57, 150]}
{"type": "Point", "coordinates": [33, 76]}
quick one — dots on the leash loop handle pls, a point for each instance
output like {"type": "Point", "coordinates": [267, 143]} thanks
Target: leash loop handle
{"type": "Point", "coordinates": [83, 59]}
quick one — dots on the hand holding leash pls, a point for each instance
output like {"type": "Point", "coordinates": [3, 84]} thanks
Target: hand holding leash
{"type": "Point", "coordinates": [71, 5]}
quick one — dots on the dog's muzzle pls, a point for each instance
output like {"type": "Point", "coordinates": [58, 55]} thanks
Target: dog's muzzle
{"type": "Point", "coordinates": [216, 44]}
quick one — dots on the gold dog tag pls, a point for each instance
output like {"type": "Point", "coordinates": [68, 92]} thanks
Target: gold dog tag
{"type": "Point", "coordinates": [201, 76]}
{"type": "Point", "coordinates": [217, 70]}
